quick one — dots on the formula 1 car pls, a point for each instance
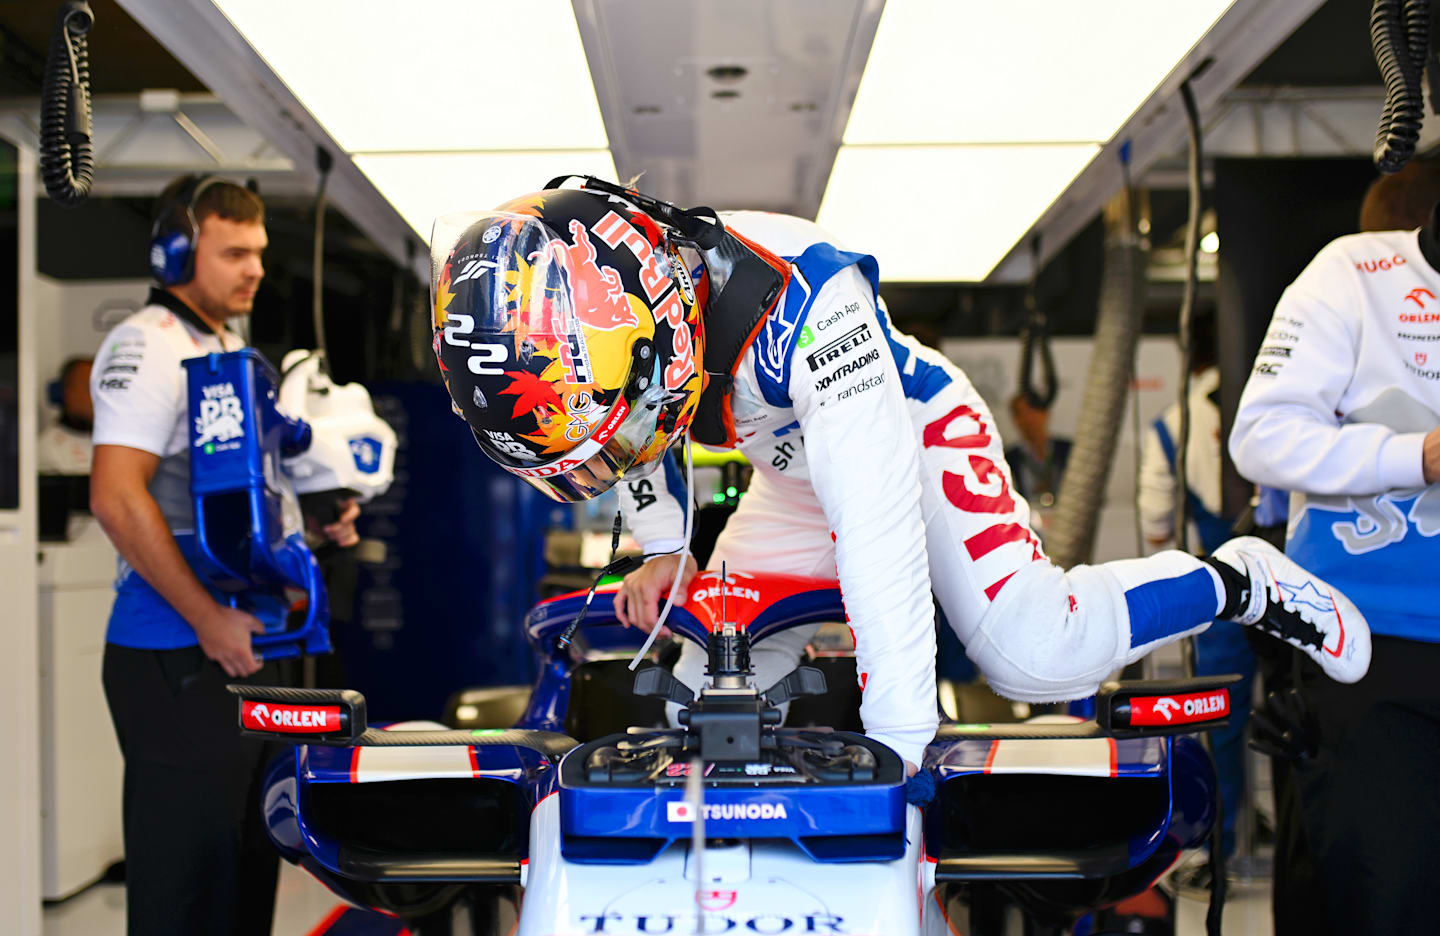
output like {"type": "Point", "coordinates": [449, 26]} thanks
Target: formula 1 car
{"type": "Point", "coordinates": [589, 816]}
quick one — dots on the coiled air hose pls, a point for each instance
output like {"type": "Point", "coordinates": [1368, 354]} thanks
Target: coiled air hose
{"type": "Point", "coordinates": [1400, 36]}
{"type": "Point", "coordinates": [67, 163]}
{"type": "Point", "coordinates": [1112, 363]}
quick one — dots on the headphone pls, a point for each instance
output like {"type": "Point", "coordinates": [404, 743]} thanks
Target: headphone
{"type": "Point", "coordinates": [172, 251]}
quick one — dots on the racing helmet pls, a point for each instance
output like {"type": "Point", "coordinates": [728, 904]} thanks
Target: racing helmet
{"type": "Point", "coordinates": [568, 333]}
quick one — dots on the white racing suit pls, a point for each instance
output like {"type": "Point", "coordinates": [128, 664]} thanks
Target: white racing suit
{"type": "Point", "coordinates": [877, 462]}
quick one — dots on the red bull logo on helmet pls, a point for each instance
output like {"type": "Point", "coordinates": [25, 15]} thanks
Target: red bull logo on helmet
{"type": "Point", "coordinates": [614, 230]}
{"type": "Point", "coordinates": [599, 295]}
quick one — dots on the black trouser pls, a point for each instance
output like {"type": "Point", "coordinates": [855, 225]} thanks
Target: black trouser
{"type": "Point", "coordinates": [1371, 796]}
{"type": "Point", "coordinates": [1296, 911]}
{"type": "Point", "coordinates": [197, 859]}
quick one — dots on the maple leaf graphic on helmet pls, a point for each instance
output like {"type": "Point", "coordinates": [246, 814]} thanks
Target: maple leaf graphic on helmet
{"type": "Point", "coordinates": [531, 392]}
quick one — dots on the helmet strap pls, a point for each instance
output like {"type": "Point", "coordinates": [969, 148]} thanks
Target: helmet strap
{"type": "Point", "coordinates": [746, 283]}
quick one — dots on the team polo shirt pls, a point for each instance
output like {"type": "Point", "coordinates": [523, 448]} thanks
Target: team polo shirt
{"type": "Point", "coordinates": [139, 389]}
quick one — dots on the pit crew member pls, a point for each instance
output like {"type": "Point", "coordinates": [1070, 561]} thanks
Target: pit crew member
{"type": "Point", "coordinates": [197, 857]}
{"type": "Point", "coordinates": [1342, 408]}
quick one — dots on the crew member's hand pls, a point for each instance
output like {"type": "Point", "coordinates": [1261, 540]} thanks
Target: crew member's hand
{"type": "Point", "coordinates": [225, 637]}
{"type": "Point", "coordinates": [645, 590]}
{"type": "Point", "coordinates": [342, 531]}
{"type": "Point", "coordinates": [1431, 457]}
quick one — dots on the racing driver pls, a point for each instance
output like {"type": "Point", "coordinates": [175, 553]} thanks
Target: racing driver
{"type": "Point", "coordinates": [583, 331]}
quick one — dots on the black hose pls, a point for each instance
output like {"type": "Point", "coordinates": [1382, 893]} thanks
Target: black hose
{"type": "Point", "coordinates": [1218, 883]}
{"type": "Point", "coordinates": [1400, 37]}
{"type": "Point", "coordinates": [67, 163]}
{"type": "Point", "coordinates": [1187, 314]}
{"type": "Point", "coordinates": [323, 163]}
{"type": "Point", "coordinates": [1035, 337]}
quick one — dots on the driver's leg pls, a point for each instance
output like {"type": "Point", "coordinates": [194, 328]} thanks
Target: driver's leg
{"type": "Point", "coordinates": [778, 528]}
{"type": "Point", "coordinates": [1036, 632]}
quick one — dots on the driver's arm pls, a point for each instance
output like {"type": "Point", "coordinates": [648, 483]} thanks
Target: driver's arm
{"type": "Point", "coordinates": [1306, 363]}
{"type": "Point", "coordinates": [864, 464]}
{"type": "Point", "coordinates": [654, 507]}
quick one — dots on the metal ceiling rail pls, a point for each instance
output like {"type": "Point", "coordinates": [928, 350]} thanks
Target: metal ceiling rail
{"type": "Point", "coordinates": [144, 141]}
{"type": "Point", "coordinates": [1243, 36]}
{"type": "Point", "coordinates": [206, 43]}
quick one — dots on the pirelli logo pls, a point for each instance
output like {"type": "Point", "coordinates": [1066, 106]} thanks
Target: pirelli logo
{"type": "Point", "coordinates": [840, 347]}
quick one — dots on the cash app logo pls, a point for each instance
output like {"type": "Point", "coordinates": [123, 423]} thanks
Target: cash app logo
{"type": "Point", "coordinates": [807, 337]}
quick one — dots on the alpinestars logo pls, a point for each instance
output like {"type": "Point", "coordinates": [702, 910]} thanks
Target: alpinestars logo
{"type": "Point", "coordinates": [1308, 595]}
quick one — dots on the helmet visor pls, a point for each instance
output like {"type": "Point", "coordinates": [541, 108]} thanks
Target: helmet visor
{"type": "Point", "coordinates": [498, 289]}
{"type": "Point", "coordinates": [593, 467]}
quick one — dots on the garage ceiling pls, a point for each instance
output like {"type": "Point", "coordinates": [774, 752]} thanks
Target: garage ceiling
{"type": "Point", "coordinates": [983, 122]}
{"type": "Point", "coordinates": [736, 104]}
{"type": "Point", "coordinates": [127, 58]}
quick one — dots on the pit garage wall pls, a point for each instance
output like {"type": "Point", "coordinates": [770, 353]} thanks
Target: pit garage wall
{"type": "Point", "coordinates": [1272, 216]}
{"type": "Point", "coordinates": [71, 317]}
{"type": "Point", "coordinates": [19, 676]}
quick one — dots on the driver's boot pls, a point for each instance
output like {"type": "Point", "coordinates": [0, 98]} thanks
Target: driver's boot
{"type": "Point", "coordinates": [1267, 590]}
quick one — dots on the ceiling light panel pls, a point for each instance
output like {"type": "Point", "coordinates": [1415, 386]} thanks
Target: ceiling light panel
{"type": "Point", "coordinates": [978, 71]}
{"type": "Point", "coordinates": [431, 74]}
{"type": "Point", "coordinates": [943, 213]}
{"type": "Point", "coordinates": [423, 186]}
